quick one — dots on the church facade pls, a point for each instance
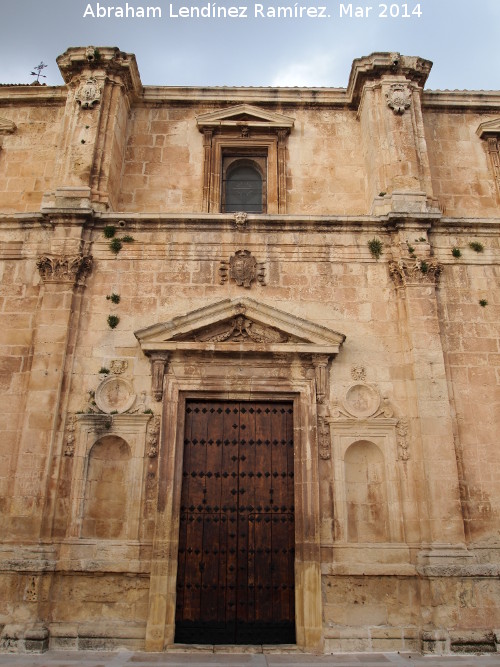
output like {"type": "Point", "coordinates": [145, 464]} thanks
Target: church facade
{"type": "Point", "coordinates": [250, 362]}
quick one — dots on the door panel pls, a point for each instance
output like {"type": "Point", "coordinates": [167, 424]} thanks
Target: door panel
{"type": "Point", "coordinates": [235, 581]}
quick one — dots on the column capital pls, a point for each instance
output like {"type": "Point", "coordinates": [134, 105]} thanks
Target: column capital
{"type": "Point", "coordinates": [414, 272]}
{"type": "Point", "coordinates": [84, 63]}
{"type": "Point", "coordinates": [378, 66]}
{"type": "Point", "coordinates": [69, 269]}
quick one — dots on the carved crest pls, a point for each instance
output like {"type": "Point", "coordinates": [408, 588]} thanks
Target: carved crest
{"type": "Point", "coordinates": [399, 98]}
{"type": "Point", "coordinates": [89, 93]}
{"type": "Point", "coordinates": [243, 268]}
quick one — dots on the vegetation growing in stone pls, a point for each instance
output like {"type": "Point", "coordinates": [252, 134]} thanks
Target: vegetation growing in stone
{"type": "Point", "coordinates": [424, 267]}
{"type": "Point", "coordinates": [127, 239]}
{"type": "Point", "coordinates": [375, 246]}
{"type": "Point", "coordinates": [148, 411]}
{"type": "Point", "coordinates": [113, 321]}
{"type": "Point", "coordinates": [114, 298]}
{"type": "Point", "coordinates": [109, 231]}
{"type": "Point", "coordinates": [476, 246]}
{"type": "Point", "coordinates": [456, 252]}
{"type": "Point", "coordinates": [104, 370]}
{"type": "Point", "coordinates": [483, 302]}
{"type": "Point", "coordinates": [115, 245]}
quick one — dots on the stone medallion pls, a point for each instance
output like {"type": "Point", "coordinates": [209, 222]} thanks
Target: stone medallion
{"type": "Point", "coordinates": [361, 400]}
{"type": "Point", "coordinates": [114, 395]}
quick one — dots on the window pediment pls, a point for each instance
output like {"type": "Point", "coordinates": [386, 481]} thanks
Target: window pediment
{"type": "Point", "coordinates": [244, 114]}
{"type": "Point", "coordinates": [488, 129]}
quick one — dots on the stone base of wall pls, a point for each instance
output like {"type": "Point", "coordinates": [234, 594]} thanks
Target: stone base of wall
{"type": "Point", "coordinates": [361, 613]}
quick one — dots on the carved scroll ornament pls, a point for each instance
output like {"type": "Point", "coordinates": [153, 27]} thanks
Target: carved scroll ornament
{"type": "Point", "coordinates": [158, 367]}
{"type": "Point", "coordinates": [241, 329]}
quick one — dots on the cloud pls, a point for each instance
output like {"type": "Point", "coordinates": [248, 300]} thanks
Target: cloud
{"type": "Point", "coordinates": [316, 70]}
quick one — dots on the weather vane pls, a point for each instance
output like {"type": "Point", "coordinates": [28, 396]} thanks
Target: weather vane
{"type": "Point", "coordinates": [38, 71]}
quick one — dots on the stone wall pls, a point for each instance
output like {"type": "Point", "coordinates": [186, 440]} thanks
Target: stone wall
{"type": "Point", "coordinates": [124, 290]}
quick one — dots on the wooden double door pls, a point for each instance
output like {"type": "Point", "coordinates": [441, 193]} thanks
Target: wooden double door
{"type": "Point", "coordinates": [235, 578]}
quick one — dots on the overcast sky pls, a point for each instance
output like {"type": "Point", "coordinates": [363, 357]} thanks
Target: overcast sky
{"type": "Point", "coordinates": [460, 36]}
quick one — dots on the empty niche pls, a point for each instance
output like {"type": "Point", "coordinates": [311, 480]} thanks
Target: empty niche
{"type": "Point", "coordinates": [366, 493]}
{"type": "Point", "coordinates": [105, 507]}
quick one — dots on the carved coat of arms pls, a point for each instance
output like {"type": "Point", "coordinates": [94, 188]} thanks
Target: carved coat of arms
{"type": "Point", "coordinates": [89, 93]}
{"type": "Point", "coordinates": [399, 98]}
{"type": "Point", "coordinates": [243, 267]}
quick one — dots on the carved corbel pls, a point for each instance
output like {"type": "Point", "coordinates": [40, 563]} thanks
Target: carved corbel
{"type": "Point", "coordinates": [159, 362]}
{"type": "Point", "coordinates": [320, 363]}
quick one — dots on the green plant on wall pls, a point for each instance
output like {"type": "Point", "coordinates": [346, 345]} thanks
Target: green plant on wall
{"type": "Point", "coordinates": [476, 246]}
{"type": "Point", "coordinates": [115, 245]}
{"type": "Point", "coordinates": [113, 321]}
{"type": "Point", "coordinates": [109, 231]}
{"type": "Point", "coordinates": [375, 246]}
{"type": "Point", "coordinates": [114, 298]}
{"type": "Point", "coordinates": [456, 252]}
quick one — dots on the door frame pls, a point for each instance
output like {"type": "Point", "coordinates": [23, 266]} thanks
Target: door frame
{"type": "Point", "coordinates": [184, 381]}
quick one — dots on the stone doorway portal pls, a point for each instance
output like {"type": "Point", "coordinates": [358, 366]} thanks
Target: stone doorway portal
{"type": "Point", "coordinates": [235, 577]}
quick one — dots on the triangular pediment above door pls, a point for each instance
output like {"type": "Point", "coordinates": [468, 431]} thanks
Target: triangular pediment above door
{"type": "Point", "coordinates": [240, 324]}
{"type": "Point", "coordinates": [244, 114]}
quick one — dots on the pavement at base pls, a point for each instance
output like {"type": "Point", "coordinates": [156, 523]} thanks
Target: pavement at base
{"type": "Point", "coordinates": [214, 659]}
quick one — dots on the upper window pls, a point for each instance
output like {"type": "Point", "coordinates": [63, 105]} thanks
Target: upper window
{"type": "Point", "coordinates": [244, 160]}
{"type": "Point", "coordinates": [243, 185]}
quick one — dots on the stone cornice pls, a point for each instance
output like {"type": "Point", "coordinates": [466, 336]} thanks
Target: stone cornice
{"type": "Point", "coordinates": [378, 65]}
{"type": "Point", "coordinates": [95, 61]}
{"type": "Point", "coordinates": [461, 100]}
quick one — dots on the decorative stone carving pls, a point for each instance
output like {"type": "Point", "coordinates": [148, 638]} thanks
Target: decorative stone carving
{"type": "Point", "coordinates": [89, 93]}
{"type": "Point", "coordinates": [69, 447]}
{"type": "Point", "coordinates": [361, 400]}
{"type": "Point", "coordinates": [410, 272]}
{"type": "Point", "coordinates": [240, 328]}
{"type": "Point", "coordinates": [7, 126]}
{"type": "Point", "coordinates": [114, 395]}
{"type": "Point", "coordinates": [320, 363]}
{"type": "Point", "coordinates": [60, 269]}
{"type": "Point", "coordinates": [118, 366]}
{"type": "Point", "coordinates": [358, 373]}
{"type": "Point", "coordinates": [158, 368]}
{"type": "Point", "coordinates": [243, 268]}
{"type": "Point", "coordinates": [240, 220]}
{"type": "Point", "coordinates": [31, 590]}
{"type": "Point", "coordinates": [324, 441]}
{"type": "Point", "coordinates": [399, 98]}
{"type": "Point", "coordinates": [153, 432]}
{"type": "Point", "coordinates": [402, 428]}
